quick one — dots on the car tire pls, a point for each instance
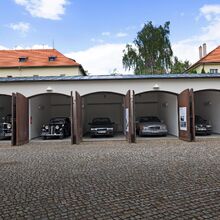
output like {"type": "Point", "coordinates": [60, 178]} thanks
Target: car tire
{"type": "Point", "coordinates": [44, 137]}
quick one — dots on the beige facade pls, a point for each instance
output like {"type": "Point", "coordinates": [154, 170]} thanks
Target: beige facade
{"type": "Point", "coordinates": [209, 68]}
{"type": "Point", "coordinates": [40, 71]}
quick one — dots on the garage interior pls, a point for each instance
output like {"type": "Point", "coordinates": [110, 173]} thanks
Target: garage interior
{"type": "Point", "coordinates": [160, 104]}
{"type": "Point", "coordinates": [207, 105]}
{"type": "Point", "coordinates": [103, 104]}
{"type": "Point", "coordinates": [43, 107]}
{"type": "Point", "coordinates": [5, 106]}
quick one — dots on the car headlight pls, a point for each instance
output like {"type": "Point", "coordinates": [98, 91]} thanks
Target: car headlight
{"type": "Point", "coordinates": [46, 127]}
{"type": "Point", "coordinates": [8, 126]}
{"type": "Point", "coordinates": [93, 129]}
{"type": "Point", "coordinates": [163, 127]}
{"type": "Point", "coordinates": [208, 126]}
{"type": "Point", "coordinates": [109, 129]}
{"type": "Point", "coordinates": [57, 127]}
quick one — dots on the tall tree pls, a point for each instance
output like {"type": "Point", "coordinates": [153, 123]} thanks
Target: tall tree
{"type": "Point", "coordinates": [179, 66]}
{"type": "Point", "coordinates": [151, 52]}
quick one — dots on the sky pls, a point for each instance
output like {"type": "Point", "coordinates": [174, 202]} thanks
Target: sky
{"type": "Point", "coordinates": [95, 32]}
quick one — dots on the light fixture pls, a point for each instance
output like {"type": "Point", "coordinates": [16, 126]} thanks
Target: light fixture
{"type": "Point", "coordinates": [208, 103]}
{"type": "Point", "coordinates": [49, 89]}
{"type": "Point", "coordinates": [156, 86]}
{"type": "Point", "coordinates": [165, 104]}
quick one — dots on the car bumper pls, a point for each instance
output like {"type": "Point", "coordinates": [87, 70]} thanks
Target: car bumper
{"type": "Point", "coordinates": [101, 133]}
{"type": "Point", "coordinates": [203, 131]}
{"type": "Point", "coordinates": [153, 133]}
{"type": "Point", "coordinates": [5, 134]}
{"type": "Point", "coordinates": [44, 134]}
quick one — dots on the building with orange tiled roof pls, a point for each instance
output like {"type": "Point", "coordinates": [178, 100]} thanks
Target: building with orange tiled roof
{"type": "Point", "coordinates": [37, 62]}
{"type": "Point", "coordinates": [208, 63]}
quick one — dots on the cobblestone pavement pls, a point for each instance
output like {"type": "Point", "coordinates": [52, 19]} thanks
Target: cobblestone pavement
{"type": "Point", "coordinates": [149, 180]}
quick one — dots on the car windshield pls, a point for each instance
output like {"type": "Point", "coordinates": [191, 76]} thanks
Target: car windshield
{"type": "Point", "coordinates": [199, 119]}
{"type": "Point", "coordinates": [57, 120]}
{"type": "Point", "coordinates": [149, 119]}
{"type": "Point", "coordinates": [101, 121]}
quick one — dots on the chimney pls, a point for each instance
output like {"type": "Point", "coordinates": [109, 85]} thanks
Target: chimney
{"type": "Point", "coordinates": [204, 50]}
{"type": "Point", "coordinates": [200, 52]}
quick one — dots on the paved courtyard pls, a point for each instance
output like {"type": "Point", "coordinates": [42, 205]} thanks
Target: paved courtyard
{"type": "Point", "coordinates": [167, 179]}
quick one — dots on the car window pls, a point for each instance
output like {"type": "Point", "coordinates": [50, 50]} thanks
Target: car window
{"type": "Point", "coordinates": [199, 119]}
{"type": "Point", "coordinates": [57, 120]}
{"type": "Point", "coordinates": [149, 119]}
{"type": "Point", "coordinates": [100, 121]}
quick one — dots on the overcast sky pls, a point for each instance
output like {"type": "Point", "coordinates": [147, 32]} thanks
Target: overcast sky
{"type": "Point", "coordinates": [95, 32]}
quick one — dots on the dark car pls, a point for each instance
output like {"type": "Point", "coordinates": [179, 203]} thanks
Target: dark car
{"type": "Point", "coordinates": [150, 126]}
{"type": "Point", "coordinates": [202, 126]}
{"type": "Point", "coordinates": [6, 127]}
{"type": "Point", "coordinates": [57, 127]}
{"type": "Point", "coordinates": [102, 127]}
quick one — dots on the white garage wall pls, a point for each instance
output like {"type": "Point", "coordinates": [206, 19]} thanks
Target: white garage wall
{"type": "Point", "coordinates": [146, 104]}
{"type": "Point", "coordinates": [168, 112]}
{"type": "Point", "coordinates": [103, 105]}
{"type": "Point", "coordinates": [60, 106]}
{"type": "Point", "coordinates": [5, 106]}
{"type": "Point", "coordinates": [39, 111]}
{"type": "Point", "coordinates": [207, 105]}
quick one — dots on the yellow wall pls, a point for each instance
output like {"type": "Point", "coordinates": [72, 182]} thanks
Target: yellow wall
{"type": "Point", "coordinates": [40, 71]}
{"type": "Point", "coordinates": [207, 68]}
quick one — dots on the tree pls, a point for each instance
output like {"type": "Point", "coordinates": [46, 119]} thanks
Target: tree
{"type": "Point", "coordinates": [179, 66]}
{"type": "Point", "coordinates": [151, 52]}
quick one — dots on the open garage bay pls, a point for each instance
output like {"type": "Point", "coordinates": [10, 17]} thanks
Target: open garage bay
{"type": "Point", "coordinates": [149, 180]}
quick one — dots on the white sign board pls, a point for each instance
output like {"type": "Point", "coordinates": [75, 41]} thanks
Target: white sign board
{"type": "Point", "coordinates": [126, 120]}
{"type": "Point", "coordinates": [183, 118]}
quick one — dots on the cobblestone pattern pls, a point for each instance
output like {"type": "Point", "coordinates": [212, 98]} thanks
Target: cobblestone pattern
{"type": "Point", "coordinates": [148, 180]}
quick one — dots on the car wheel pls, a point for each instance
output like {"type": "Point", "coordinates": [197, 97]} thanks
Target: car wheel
{"type": "Point", "coordinates": [44, 137]}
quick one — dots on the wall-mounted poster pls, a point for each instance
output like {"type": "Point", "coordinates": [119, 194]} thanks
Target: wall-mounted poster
{"type": "Point", "coordinates": [183, 118]}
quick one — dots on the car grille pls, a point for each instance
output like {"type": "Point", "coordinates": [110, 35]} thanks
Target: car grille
{"type": "Point", "coordinates": [154, 127]}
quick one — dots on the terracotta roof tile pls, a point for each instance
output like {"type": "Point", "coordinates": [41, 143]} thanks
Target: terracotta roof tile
{"type": "Point", "coordinates": [35, 58]}
{"type": "Point", "coordinates": [212, 57]}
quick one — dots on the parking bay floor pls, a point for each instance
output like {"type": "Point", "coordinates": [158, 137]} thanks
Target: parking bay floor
{"type": "Point", "coordinates": [156, 179]}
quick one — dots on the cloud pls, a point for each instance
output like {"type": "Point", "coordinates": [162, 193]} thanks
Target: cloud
{"type": "Point", "coordinates": [46, 9]}
{"type": "Point", "coordinates": [22, 27]}
{"type": "Point", "coordinates": [106, 33]}
{"type": "Point", "coordinates": [210, 11]}
{"type": "Point", "coordinates": [188, 49]}
{"type": "Point", "coordinates": [121, 34]}
{"type": "Point", "coordinates": [20, 47]}
{"type": "Point", "coordinates": [101, 59]}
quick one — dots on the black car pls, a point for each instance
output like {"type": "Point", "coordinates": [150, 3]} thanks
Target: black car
{"type": "Point", "coordinates": [202, 126]}
{"type": "Point", "coordinates": [6, 127]}
{"type": "Point", "coordinates": [57, 127]}
{"type": "Point", "coordinates": [102, 127]}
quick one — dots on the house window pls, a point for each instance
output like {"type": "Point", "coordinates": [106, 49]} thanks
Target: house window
{"type": "Point", "coordinates": [213, 71]}
{"type": "Point", "coordinates": [52, 58]}
{"type": "Point", "coordinates": [22, 59]}
{"type": "Point", "coordinates": [9, 76]}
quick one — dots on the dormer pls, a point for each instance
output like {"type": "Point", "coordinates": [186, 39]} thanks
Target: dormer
{"type": "Point", "coordinates": [52, 58]}
{"type": "Point", "coordinates": [22, 59]}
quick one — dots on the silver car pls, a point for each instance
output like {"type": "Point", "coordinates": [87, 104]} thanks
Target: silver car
{"type": "Point", "coordinates": [150, 126]}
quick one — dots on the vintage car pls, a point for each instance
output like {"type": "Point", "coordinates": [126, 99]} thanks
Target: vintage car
{"type": "Point", "coordinates": [57, 127]}
{"type": "Point", "coordinates": [150, 126]}
{"type": "Point", "coordinates": [6, 127]}
{"type": "Point", "coordinates": [202, 126]}
{"type": "Point", "coordinates": [102, 127]}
